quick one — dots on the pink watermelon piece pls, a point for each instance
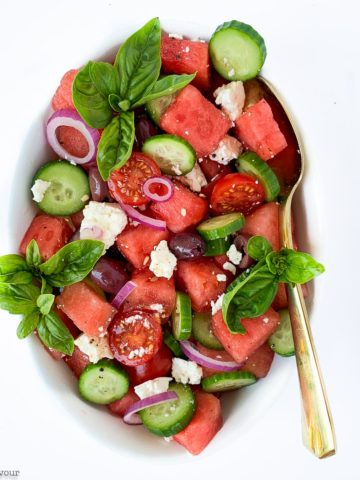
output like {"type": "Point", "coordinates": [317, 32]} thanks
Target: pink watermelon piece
{"type": "Point", "coordinates": [264, 221]}
{"type": "Point", "coordinates": [63, 94]}
{"type": "Point", "coordinates": [72, 141]}
{"type": "Point", "coordinates": [77, 361]}
{"type": "Point", "coordinates": [119, 407]}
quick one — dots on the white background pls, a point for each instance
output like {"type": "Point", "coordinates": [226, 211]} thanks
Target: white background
{"type": "Point", "coordinates": [313, 56]}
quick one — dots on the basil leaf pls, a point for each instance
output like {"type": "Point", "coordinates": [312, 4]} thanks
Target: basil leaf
{"type": "Point", "coordinates": [14, 270]}
{"type": "Point", "coordinates": [166, 86]}
{"type": "Point", "coordinates": [54, 334]}
{"type": "Point", "coordinates": [138, 61]}
{"type": "Point", "coordinates": [114, 102]}
{"type": "Point", "coordinates": [28, 324]}
{"type": "Point", "coordinates": [33, 257]}
{"type": "Point", "coordinates": [277, 264]}
{"type": "Point", "coordinates": [18, 298]}
{"type": "Point", "coordinates": [45, 302]}
{"type": "Point", "coordinates": [258, 247]}
{"type": "Point", "coordinates": [301, 267]}
{"type": "Point", "coordinates": [72, 263]}
{"type": "Point", "coordinates": [90, 91]}
{"type": "Point", "coordinates": [116, 143]}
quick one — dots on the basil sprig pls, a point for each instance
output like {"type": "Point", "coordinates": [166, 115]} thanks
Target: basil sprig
{"type": "Point", "coordinates": [252, 293]}
{"type": "Point", "coordinates": [100, 90]}
{"type": "Point", "coordinates": [20, 291]}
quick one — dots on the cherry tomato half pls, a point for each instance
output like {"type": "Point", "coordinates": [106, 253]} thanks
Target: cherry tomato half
{"type": "Point", "coordinates": [158, 366]}
{"type": "Point", "coordinates": [125, 184]}
{"type": "Point", "coordinates": [237, 192]}
{"type": "Point", "coordinates": [135, 336]}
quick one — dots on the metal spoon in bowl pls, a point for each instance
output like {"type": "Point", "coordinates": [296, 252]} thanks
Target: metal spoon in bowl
{"type": "Point", "coordinates": [317, 423]}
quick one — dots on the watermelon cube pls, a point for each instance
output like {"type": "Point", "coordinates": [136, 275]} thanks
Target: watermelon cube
{"type": "Point", "coordinates": [73, 141]}
{"type": "Point", "coordinates": [199, 279]}
{"type": "Point", "coordinates": [51, 234]}
{"type": "Point", "coordinates": [259, 131]}
{"type": "Point", "coordinates": [90, 312]}
{"type": "Point", "coordinates": [63, 94]}
{"type": "Point", "coordinates": [260, 361]}
{"type": "Point", "coordinates": [195, 119]}
{"type": "Point", "coordinates": [119, 407]}
{"type": "Point", "coordinates": [205, 424]}
{"type": "Point", "coordinates": [258, 330]}
{"type": "Point", "coordinates": [280, 300]}
{"type": "Point", "coordinates": [184, 56]}
{"type": "Point", "coordinates": [264, 221]}
{"type": "Point", "coordinates": [77, 361]}
{"type": "Point", "coordinates": [136, 243]}
{"type": "Point", "coordinates": [184, 210]}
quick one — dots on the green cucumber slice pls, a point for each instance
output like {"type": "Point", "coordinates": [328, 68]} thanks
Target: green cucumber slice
{"type": "Point", "coordinates": [221, 226]}
{"type": "Point", "coordinates": [173, 154]}
{"type": "Point", "coordinates": [203, 333]}
{"type": "Point", "coordinates": [253, 165]}
{"type": "Point", "coordinates": [181, 317]}
{"type": "Point", "coordinates": [217, 247]}
{"type": "Point", "coordinates": [156, 108]}
{"type": "Point", "coordinates": [103, 382]}
{"type": "Point", "coordinates": [171, 342]}
{"type": "Point", "coordinates": [237, 51]}
{"type": "Point", "coordinates": [69, 189]}
{"type": "Point", "coordinates": [281, 341]}
{"type": "Point", "coordinates": [222, 382]}
{"type": "Point", "coordinates": [170, 418]}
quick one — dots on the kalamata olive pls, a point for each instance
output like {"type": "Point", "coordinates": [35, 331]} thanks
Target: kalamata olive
{"type": "Point", "coordinates": [240, 243]}
{"type": "Point", "coordinates": [187, 245]}
{"type": "Point", "coordinates": [143, 130]}
{"type": "Point", "coordinates": [109, 274]}
{"type": "Point", "coordinates": [98, 187]}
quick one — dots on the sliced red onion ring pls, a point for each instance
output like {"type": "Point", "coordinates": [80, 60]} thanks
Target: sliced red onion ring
{"type": "Point", "coordinates": [131, 416]}
{"type": "Point", "coordinates": [139, 217]}
{"type": "Point", "coordinates": [193, 353]}
{"type": "Point", "coordinates": [124, 292]}
{"type": "Point", "coordinates": [94, 233]}
{"type": "Point", "coordinates": [156, 181]}
{"type": "Point", "coordinates": [70, 118]}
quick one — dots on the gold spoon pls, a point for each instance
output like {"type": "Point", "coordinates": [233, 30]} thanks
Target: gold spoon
{"type": "Point", "coordinates": [317, 423]}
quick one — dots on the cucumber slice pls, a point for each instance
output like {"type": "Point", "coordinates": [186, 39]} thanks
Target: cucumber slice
{"type": "Point", "coordinates": [156, 108]}
{"type": "Point", "coordinates": [103, 382]}
{"type": "Point", "coordinates": [173, 154]}
{"type": "Point", "coordinates": [221, 226]}
{"type": "Point", "coordinates": [222, 382]}
{"type": "Point", "coordinates": [181, 317]}
{"type": "Point", "coordinates": [217, 247]}
{"type": "Point", "coordinates": [171, 417]}
{"type": "Point", "coordinates": [203, 333]}
{"type": "Point", "coordinates": [69, 190]}
{"type": "Point", "coordinates": [253, 165]}
{"type": "Point", "coordinates": [171, 342]}
{"type": "Point", "coordinates": [237, 51]}
{"type": "Point", "coordinates": [281, 341]}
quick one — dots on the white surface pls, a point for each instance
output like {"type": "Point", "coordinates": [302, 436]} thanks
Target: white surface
{"type": "Point", "coordinates": [313, 54]}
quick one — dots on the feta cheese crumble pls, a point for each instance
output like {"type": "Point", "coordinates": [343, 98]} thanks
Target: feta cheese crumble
{"type": "Point", "coordinates": [228, 149]}
{"type": "Point", "coordinates": [102, 219]}
{"type": "Point", "coordinates": [229, 267]}
{"type": "Point", "coordinates": [186, 371]}
{"type": "Point", "coordinates": [176, 35]}
{"type": "Point", "coordinates": [195, 179]}
{"type": "Point", "coordinates": [95, 348]}
{"type": "Point", "coordinates": [163, 262]}
{"type": "Point", "coordinates": [152, 387]}
{"type": "Point", "coordinates": [234, 255]}
{"type": "Point", "coordinates": [39, 189]}
{"type": "Point", "coordinates": [220, 277]}
{"type": "Point", "coordinates": [231, 98]}
{"type": "Point", "coordinates": [216, 306]}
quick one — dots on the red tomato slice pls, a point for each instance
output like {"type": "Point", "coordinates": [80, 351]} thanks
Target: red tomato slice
{"type": "Point", "coordinates": [158, 366]}
{"type": "Point", "coordinates": [237, 192]}
{"type": "Point", "coordinates": [135, 336]}
{"type": "Point", "coordinates": [125, 184]}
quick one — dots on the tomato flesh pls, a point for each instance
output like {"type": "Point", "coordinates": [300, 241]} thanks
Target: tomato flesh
{"type": "Point", "coordinates": [236, 192]}
{"type": "Point", "coordinates": [135, 336]}
{"type": "Point", "coordinates": [158, 366]}
{"type": "Point", "coordinates": [125, 184]}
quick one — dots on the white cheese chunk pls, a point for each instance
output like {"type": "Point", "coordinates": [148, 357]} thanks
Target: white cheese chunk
{"type": "Point", "coordinates": [234, 255]}
{"type": "Point", "coordinates": [152, 387]}
{"type": "Point", "coordinates": [220, 277]}
{"type": "Point", "coordinates": [231, 98]}
{"type": "Point", "coordinates": [102, 221]}
{"type": "Point", "coordinates": [95, 348]}
{"type": "Point", "coordinates": [195, 179]}
{"type": "Point", "coordinates": [228, 149]}
{"type": "Point", "coordinates": [229, 267]}
{"type": "Point", "coordinates": [176, 35]}
{"type": "Point", "coordinates": [216, 306]}
{"type": "Point", "coordinates": [38, 189]}
{"type": "Point", "coordinates": [186, 371]}
{"type": "Point", "coordinates": [163, 262]}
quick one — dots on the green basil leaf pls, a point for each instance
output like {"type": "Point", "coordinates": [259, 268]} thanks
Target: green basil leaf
{"type": "Point", "coordinates": [18, 298]}
{"type": "Point", "coordinates": [114, 102]}
{"type": "Point", "coordinates": [28, 324]}
{"type": "Point", "coordinates": [33, 257]}
{"type": "Point", "coordinates": [88, 93]}
{"type": "Point", "coordinates": [45, 302]}
{"type": "Point", "coordinates": [258, 247]}
{"type": "Point", "coordinates": [116, 143]}
{"type": "Point", "coordinates": [14, 270]}
{"type": "Point", "coordinates": [301, 267]}
{"type": "Point", "coordinates": [166, 86]}
{"type": "Point", "coordinates": [54, 334]}
{"type": "Point", "coordinates": [138, 61]}
{"type": "Point", "coordinates": [277, 263]}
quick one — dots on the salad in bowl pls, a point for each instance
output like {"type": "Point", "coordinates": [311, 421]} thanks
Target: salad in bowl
{"type": "Point", "coordinates": [153, 267]}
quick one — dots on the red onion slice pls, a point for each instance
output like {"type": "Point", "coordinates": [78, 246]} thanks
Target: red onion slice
{"type": "Point", "coordinates": [139, 217]}
{"type": "Point", "coordinates": [122, 294]}
{"type": "Point", "coordinates": [193, 354]}
{"type": "Point", "coordinates": [158, 180]}
{"type": "Point", "coordinates": [131, 416]}
{"type": "Point", "coordinates": [70, 118]}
